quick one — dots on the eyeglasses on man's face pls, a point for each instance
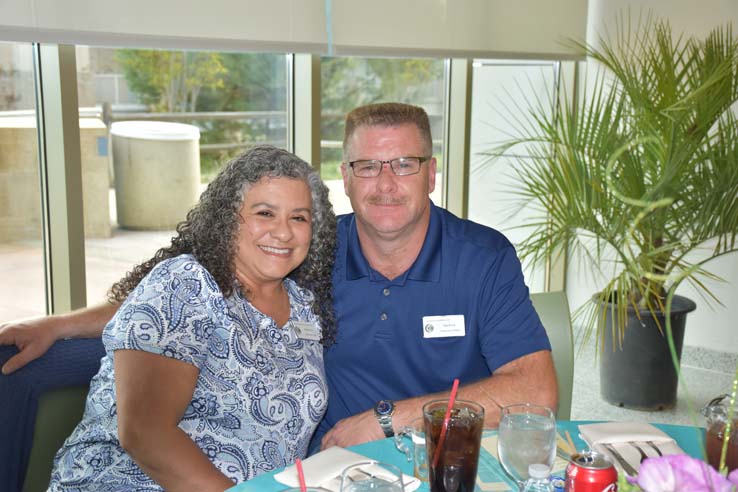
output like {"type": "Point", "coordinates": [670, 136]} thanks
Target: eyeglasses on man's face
{"type": "Point", "coordinates": [401, 166]}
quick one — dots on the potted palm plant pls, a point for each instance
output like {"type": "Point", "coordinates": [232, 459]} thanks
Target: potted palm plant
{"type": "Point", "coordinates": [637, 178]}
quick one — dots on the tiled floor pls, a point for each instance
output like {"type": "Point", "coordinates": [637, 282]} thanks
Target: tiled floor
{"type": "Point", "coordinates": [704, 374]}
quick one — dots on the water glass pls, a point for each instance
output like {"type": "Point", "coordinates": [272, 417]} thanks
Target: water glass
{"type": "Point", "coordinates": [371, 476]}
{"type": "Point", "coordinates": [527, 436]}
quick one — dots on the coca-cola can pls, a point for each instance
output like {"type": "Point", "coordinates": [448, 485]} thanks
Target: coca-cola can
{"type": "Point", "coordinates": [590, 472]}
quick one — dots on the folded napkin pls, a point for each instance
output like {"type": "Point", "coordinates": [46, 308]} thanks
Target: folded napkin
{"type": "Point", "coordinates": [625, 438]}
{"type": "Point", "coordinates": [324, 470]}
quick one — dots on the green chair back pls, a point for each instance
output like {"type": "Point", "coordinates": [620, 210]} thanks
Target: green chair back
{"type": "Point", "coordinates": [553, 309]}
{"type": "Point", "coordinates": [59, 412]}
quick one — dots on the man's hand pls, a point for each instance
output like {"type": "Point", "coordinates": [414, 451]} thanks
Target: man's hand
{"type": "Point", "coordinates": [32, 337]}
{"type": "Point", "coordinates": [353, 430]}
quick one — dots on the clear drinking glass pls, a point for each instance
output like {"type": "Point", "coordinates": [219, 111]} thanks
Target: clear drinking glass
{"type": "Point", "coordinates": [371, 476]}
{"type": "Point", "coordinates": [411, 441]}
{"type": "Point", "coordinates": [308, 489]}
{"type": "Point", "coordinates": [453, 460]}
{"type": "Point", "coordinates": [527, 436]}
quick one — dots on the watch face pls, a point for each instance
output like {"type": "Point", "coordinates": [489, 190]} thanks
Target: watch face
{"type": "Point", "coordinates": [384, 407]}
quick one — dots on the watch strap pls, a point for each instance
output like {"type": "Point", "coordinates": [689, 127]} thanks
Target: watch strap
{"type": "Point", "coordinates": [385, 422]}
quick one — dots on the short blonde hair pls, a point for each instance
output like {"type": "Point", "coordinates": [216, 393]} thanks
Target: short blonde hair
{"type": "Point", "coordinates": [387, 114]}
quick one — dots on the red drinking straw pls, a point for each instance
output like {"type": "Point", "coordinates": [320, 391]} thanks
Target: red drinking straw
{"type": "Point", "coordinates": [446, 418]}
{"type": "Point", "coordinates": [300, 475]}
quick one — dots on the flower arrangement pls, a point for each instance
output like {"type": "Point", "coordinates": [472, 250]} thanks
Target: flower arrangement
{"type": "Point", "coordinates": [678, 473]}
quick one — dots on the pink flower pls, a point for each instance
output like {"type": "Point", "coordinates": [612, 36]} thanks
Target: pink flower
{"type": "Point", "coordinates": [733, 476]}
{"type": "Point", "coordinates": [682, 473]}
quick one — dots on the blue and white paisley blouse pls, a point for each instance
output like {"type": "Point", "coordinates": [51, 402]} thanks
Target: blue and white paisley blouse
{"type": "Point", "coordinates": [260, 393]}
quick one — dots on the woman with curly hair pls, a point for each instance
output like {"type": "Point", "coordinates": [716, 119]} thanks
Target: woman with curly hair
{"type": "Point", "coordinates": [213, 370]}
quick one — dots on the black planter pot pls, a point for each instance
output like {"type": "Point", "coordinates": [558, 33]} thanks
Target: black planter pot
{"type": "Point", "coordinates": [641, 374]}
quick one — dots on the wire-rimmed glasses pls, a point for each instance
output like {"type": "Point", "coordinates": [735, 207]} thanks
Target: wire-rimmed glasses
{"type": "Point", "coordinates": [401, 166]}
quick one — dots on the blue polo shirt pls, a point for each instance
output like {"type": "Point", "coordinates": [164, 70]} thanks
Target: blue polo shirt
{"type": "Point", "coordinates": [381, 353]}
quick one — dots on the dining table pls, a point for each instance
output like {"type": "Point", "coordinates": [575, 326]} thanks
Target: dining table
{"type": "Point", "coordinates": [490, 475]}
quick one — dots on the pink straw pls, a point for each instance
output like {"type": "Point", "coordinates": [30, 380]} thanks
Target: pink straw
{"type": "Point", "coordinates": [446, 418]}
{"type": "Point", "coordinates": [300, 475]}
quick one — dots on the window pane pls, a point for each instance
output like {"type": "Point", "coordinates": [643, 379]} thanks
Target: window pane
{"type": "Point", "coordinates": [22, 291]}
{"type": "Point", "coordinates": [501, 92]}
{"type": "Point", "coordinates": [348, 82]}
{"type": "Point", "coordinates": [235, 100]}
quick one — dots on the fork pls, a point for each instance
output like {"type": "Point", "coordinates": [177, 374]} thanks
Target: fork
{"type": "Point", "coordinates": [627, 468]}
{"type": "Point", "coordinates": [644, 456]}
{"type": "Point", "coordinates": [654, 447]}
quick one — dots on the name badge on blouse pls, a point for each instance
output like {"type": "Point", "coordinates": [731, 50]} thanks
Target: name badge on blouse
{"type": "Point", "coordinates": [306, 331]}
{"type": "Point", "coordinates": [451, 325]}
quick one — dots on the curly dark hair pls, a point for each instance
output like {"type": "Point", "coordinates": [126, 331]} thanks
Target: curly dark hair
{"type": "Point", "coordinates": [210, 231]}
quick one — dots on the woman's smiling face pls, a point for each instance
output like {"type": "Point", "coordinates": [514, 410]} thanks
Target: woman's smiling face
{"type": "Point", "coordinates": [275, 230]}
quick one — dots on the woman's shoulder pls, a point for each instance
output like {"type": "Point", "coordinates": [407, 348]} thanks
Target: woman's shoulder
{"type": "Point", "coordinates": [180, 262]}
{"type": "Point", "coordinates": [299, 294]}
{"type": "Point", "coordinates": [179, 271]}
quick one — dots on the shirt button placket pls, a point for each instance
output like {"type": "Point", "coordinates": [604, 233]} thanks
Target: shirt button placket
{"type": "Point", "coordinates": [386, 293]}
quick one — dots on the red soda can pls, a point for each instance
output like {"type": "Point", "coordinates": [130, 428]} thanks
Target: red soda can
{"type": "Point", "coordinates": [590, 472]}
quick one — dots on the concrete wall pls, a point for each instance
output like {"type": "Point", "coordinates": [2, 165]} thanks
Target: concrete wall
{"type": "Point", "coordinates": [20, 204]}
{"type": "Point", "coordinates": [711, 326]}
{"type": "Point", "coordinates": [20, 210]}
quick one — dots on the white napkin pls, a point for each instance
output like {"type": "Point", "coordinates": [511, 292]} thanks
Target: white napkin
{"type": "Point", "coordinates": [622, 435]}
{"type": "Point", "coordinates": [324, 470]}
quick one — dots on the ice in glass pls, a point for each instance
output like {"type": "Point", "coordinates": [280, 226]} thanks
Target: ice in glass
{"type": "Point", "coordinates": [456, 468]}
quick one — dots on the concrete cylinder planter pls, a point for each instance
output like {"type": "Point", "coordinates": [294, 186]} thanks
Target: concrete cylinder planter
{"type": "Point", "coordinates": [156, 168]}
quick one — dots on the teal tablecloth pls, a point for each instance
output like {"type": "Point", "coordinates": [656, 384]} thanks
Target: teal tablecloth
{"type": "Point", "coordinates": [690, 439]}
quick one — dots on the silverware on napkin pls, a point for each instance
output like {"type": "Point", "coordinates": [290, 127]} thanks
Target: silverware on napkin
{"type": "Point", "coordinates": [643, 454]}
{"type": "Point", "coordinates": [627, 468]}
{"type": "Point", "coordinates": [654, 447]}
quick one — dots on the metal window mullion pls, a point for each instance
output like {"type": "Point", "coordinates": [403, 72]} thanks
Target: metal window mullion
{"type": "Point", "coordinates": [306, 104]}
{"type": "Point", "coordinates": [457, 131]}
{"type": "Point", "coordinates": [565, 90]}
{"type": "Point", "coordinates": [57, 120]}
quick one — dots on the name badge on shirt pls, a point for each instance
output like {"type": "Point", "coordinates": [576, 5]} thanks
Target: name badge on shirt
{"type": "Point", "coordinates": [306, 331]}
{"type": "Point", "coordinates": [451, 325]}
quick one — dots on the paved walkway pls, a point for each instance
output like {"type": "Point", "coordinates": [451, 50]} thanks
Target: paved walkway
{"type": "Point", "coordinates": [106, 260]}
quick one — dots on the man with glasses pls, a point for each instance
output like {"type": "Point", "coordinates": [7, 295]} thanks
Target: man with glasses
{"type": "Point", "coordinates": [421, 296]}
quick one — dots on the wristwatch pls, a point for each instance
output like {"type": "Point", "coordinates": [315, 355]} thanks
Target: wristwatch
{"type": "Point", "coordinates": [383, 410]}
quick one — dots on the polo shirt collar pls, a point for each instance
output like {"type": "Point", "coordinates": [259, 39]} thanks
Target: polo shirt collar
{"type": "Point", "coordinates": [427, 266]}
{"type": "Point", "coordinates": [356, 264]}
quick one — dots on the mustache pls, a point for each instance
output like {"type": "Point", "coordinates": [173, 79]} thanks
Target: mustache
{"type": "Point", "coordinates": [386, 200]}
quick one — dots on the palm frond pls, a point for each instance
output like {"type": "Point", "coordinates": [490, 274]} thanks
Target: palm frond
{"type": "Point", "coordinates": [646, 164]}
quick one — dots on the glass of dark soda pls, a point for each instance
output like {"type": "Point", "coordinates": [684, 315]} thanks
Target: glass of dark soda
{"type": "Point", "coordinates": [714, 444]}
{"type": "Point", "coordinates": [455, 468]}
{"type": "Point", "coordinates": [717, 414]}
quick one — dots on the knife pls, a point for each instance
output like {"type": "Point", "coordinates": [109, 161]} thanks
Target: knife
{"type": "Point", "coordinates": [627, 468]}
